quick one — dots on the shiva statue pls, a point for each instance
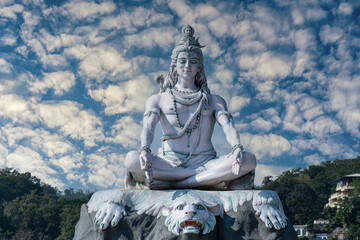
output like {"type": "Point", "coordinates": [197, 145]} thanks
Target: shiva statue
{"type": "Point", "coordinates": [187, 112]}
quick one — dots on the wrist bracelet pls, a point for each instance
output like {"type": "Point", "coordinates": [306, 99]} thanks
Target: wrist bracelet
{"type": "Point", "coordinates": [237, 146]}
{"type": "Point", "coordinates": [144, 148]}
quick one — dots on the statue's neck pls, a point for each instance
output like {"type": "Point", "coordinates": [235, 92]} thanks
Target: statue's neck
{"type": "Point", "coordinates": [186, 85]}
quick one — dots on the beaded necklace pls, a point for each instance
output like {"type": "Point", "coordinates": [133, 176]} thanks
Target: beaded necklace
{"type": "Point", "coordinates": [198, 116]}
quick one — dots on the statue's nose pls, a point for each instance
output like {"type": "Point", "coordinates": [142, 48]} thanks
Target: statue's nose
{"type": "Point", "coordinates": [190, 213]}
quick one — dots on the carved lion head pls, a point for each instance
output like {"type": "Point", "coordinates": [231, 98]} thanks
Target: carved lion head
{"type": "Point", "coordinates": [190, 215]}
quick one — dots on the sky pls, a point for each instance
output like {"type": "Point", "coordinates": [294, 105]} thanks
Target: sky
{"type": "Point", "coordinates": [75, 75]}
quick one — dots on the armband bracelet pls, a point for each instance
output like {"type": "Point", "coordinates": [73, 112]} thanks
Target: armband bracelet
{"type": "Point", "coordinates": [147, 149]}
{"type": "Point", "coordinates": [237, 146]}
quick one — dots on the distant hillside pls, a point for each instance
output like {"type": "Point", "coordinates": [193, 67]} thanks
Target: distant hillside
{"type": "Point", "coordinates": [30, 209]}
{"type": "Point", "coordinates": [304, 192]}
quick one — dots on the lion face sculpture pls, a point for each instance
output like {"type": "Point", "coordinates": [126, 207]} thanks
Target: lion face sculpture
{"type": "Point", "coordinates": [190, 215]}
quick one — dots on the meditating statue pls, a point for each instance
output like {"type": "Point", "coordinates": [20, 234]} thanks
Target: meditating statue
{"type": "Point", "coordinates": [187, 112]}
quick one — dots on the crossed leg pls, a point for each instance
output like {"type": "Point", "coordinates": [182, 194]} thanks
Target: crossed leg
{"type": "Point", "coordinates": [162, 170]}
{"type": "Point", "coordinates": [166, 176]}
{"type": "Point", "coordinates": [218, 171]}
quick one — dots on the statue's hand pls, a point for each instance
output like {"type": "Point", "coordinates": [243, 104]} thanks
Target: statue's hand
{"type": "Point", "coordinates": [271, 216]}
{"type": "Point", "coordinates": [237, 161]}
{"type": "Point", "coordinates": [109, 212]}
{"type": "Point", "coordinates": [146, 164]}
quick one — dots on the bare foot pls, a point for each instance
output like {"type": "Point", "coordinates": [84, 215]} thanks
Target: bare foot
{"type": "Point", "coordinates": [223, 186]}
{"type": "Point", "coordinates": [160, 185]}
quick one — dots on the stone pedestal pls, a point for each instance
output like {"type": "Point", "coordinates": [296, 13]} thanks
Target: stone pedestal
{"type": "Point", "coordinates": [148, 213]}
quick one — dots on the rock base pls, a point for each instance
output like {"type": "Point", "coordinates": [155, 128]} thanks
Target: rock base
{"type": "Point", "coordinates": [241, 224]}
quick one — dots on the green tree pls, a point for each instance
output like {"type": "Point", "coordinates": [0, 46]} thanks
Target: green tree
{"type": "Point", "coordinates": [34, 216]}
{"type": "Point", "coordinates": [70, 214]}
{"type": "Point", "coordinates": [14, 184]}
{"type": "Point", "coordinates": [349, 212]}
{"type": "Point", "coordinates": [298, 198]}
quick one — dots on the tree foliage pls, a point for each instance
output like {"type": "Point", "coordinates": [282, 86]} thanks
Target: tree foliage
{"type": "Point", "coordinates": [304, 193]}
{"type": "Point", "coordinates": [348, 213]}
{"type": "Point", "coordinates": [30, 209]}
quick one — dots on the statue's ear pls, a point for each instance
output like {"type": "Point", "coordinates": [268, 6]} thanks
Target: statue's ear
{"type": "Point", "coordinates": [166, 211]}
{"type": "Point", "coordinates": [215, 209]}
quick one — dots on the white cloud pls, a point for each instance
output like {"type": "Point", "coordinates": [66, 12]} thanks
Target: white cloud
{"type": "Point", "coordinates": [163, 37]}
{"type": "Point", "coordinates": [292, 120]}
{"type": "Point", "coordinates": [345, 100]}
{"type": "Point", "coordinates": [304, 39]}
{"type": "Point", "coordinates": [303, 62]}
{"type": "Point", "coordinates": [3, 152]}
{"type": "Point", "coordinates": [223, 84]}
{"type": "Point", "coordinates": [15, 108]}
{"type": "Point", "coordinates": [130, 20]}
{"type": "Point", "coordinates": [266, 90]}
{"type": "Point", "coordinates": [182, 10]}
{"type": "Point", "coordinates": [11, 11]}
{"type": "Point", "coordinates": [297, 17]}
{"type": "Point", "coordinates": [313, 159]}
{"type": "Point", "coordinates": [72, 121]}
{"type": "Point", "coordinates": [266, 147]}
{"type": "Point", "coordinates": [25, 159]}
{"type": "Point", "coordinates": [100, 62]}
{"type": "Point", "coordinates": [271, 65]}
{"type": "Point", "coordinates": [321, 126]}
{"type": "Point", "coordinates": [53, 61]}
{"type": "Point", "coordinates": [5, 67]}
{"type": "Point", "coordinates": [60, 81]}
{"type": "Point", "coordinates": [315, 14]}
{"type": "Point", "coordinates": [219, 26]}
{"type": "Point", "coordinates": [125, 132]}
{"type": "Point", "coordinates": [237, 103]}
{"type": "Point", "coordinates": [69, 163]}
{"type": "Point", "coordinates": [49, 144]}
{"type": "Point", "coordinates": [330, 34]}
{"type": "Point", "coordinates": [106, 169]}
{"type": "Point", "coordinates": [126, 96]}
{"type": "Point", "coordinates": [248, 62]}
{"type": "Point", "coordinates": [262, 171]}
{"type": "Point", "coordinates": [6, 3]}
{"type": "Point", "coordinates": [310, 107]}
{"type": "Point", "coordinates": [54, 43]}
{"type": "Point", "coordinates": [345, 9]}
{"type": "Point", "coordinates": [87, 10]}
{"type": "Point", "coordinates": [261, 124]}
{"type": "Point", "coordinates": [8, 39]}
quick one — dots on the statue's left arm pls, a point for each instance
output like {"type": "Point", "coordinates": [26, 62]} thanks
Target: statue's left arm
{"type": "Point", "coordinates": [226, 121]}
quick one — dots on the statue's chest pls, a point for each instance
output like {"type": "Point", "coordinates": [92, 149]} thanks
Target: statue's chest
{"type": "Point", "coordinates": [172, 111]}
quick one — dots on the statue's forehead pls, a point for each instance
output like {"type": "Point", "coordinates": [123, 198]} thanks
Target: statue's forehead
{"type": "Point", "coordinates": [187, 55]}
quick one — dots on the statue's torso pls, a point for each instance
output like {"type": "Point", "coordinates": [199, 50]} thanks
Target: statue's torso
{"type": "Point", "coordinates": [169, 125]}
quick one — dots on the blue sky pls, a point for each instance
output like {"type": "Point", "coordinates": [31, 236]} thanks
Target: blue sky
{"type": "Point", "coordinates": [74, 77]}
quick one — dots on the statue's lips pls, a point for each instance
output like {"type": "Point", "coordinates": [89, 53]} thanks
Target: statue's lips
{"type": "Point", "coordinates": [190, 223]}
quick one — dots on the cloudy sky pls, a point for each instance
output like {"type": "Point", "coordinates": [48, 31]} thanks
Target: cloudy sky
{"type": "Point", "coordinates": [74, 77]}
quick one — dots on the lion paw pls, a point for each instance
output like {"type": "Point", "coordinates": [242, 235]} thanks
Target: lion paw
{"type": "Point", "coordinates": [109, 212]}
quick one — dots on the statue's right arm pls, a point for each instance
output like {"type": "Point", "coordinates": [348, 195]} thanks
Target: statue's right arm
{"type": "Point", "coordinates": [150, 120]}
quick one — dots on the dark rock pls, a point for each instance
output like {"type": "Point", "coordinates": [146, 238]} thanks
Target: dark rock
{"type": "Point", "coordinates": [241, 225]}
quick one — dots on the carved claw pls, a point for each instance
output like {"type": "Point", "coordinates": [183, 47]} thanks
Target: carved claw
{"type": "Point", "coordinates": [109, 213]}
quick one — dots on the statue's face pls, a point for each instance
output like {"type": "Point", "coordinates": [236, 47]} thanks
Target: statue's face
{"type": "Point", "coordinates": [187, 65]}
